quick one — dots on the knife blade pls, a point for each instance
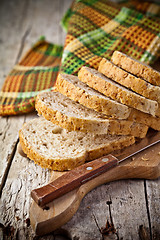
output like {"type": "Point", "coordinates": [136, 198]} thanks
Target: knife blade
{"type": "Point", "coordinates": [84, 173]}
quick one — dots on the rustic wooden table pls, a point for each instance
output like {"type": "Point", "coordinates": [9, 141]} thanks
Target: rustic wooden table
{"type": "Point", "coordinates": [132, 205]}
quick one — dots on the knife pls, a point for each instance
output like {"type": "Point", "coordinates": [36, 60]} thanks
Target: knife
{"type": "Point", "coordinates": [84, 173]}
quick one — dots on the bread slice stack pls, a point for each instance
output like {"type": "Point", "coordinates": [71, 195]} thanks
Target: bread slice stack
{"type": "Point", "coordinates": [56, 148]}
{"type": "Point", "coordinates": [91, 115]}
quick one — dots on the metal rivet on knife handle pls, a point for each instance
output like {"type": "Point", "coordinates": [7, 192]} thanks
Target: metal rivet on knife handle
{"type": "Point", "coordinates": [72, 180]}
{"type": "Point", "coordinates": [90, 170]}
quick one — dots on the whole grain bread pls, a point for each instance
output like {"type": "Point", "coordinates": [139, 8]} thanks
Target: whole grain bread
{"type": "Point", "coordinates": [58, 149]}
{"type": "Point", "coordinates": [135, 67]}
{"type": "Point", "coordinates": [73, 116]}
{"type": "Point", "coordinates": [128, 80]}
{"type": "Point", "coordinates": [144, 118]}
{"type": "Point", "coordinates": [111, 89]}
{"type": "Point", "coordinates": [78, 91]}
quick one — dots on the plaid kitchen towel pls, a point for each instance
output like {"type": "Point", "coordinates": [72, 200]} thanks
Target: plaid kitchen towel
{"type": "Point", "coordinates": [36, 72]}
{"type": "Point", "coordinates": [95, 28]}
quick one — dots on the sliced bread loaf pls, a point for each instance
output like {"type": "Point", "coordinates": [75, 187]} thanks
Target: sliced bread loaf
{"type": "Point", "coordinates": [73, 116]}
{"type": "Point", "coordinates": [128, 80]}
{"type": "Point", "coordinates": [111, 89]}
{"type": "Point", "coordinates": [78, 91]}
{"type": "Point", "coordinates": [58, 149]}
{"type": "Point", "coordinates": [135, 67]}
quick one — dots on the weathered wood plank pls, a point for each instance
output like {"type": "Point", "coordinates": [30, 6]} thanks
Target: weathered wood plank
{"type": "Point", "coordinates": [128, 199]}
{"type": "Point", "coordinates": [11, 40]}
{"type": "Point", "coordinates": [37, 15]}
{"type": "Point", "coordinates": [41, 18]}
{"type": "Point", "coordinates": [153, 197]}
{"type": "Point", "coordinates": [23, 176]}
{"type": "Point", "coordinates": [128, 211]}
{"type": "Point", "coordinates": [11, 17]}
{"type": "Point", "coordinates": [8, 136]}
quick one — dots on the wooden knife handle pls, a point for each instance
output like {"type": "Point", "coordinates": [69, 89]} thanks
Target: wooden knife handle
{"type": "Point", "coordinates": [73, 179]}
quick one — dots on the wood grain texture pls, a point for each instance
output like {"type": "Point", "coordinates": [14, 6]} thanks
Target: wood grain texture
{"type": "Point", "coordinates": [15, 200]}
{"type": "Point", "coordinates": [40, 19]}
{"type": "Point", "coordinates": [22, 23]}
{"type": "Point", "coordinates": [11, 39]}
{"type": "Point", "coordinates": [11, 18]}
{"type": "Point", "coordinates": [153, 202]}
{"type": "Point", "coordinates": [73, 179]}
{"type": "Point", "coordinates": [62, 209]}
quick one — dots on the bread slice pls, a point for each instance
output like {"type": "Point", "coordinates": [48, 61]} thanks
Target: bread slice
{"type": "Point", "coordinates": [58, 149]}
{"type": "Point", "coordinates": [144, 118]}
{"type": "Point", "coordinates": [75, 117]}
{"type": "Point", "coordinates": [78, 91]}
{"type": "Point", "coordinates": [111, 89]}
{"type": "Point", "coordinates": [128, 80]}
{"type": "Point", "coordinates": [135, 67]}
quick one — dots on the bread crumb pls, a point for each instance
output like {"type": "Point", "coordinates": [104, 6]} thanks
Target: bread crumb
{"type": "Point", "coordinates": [145, 159]}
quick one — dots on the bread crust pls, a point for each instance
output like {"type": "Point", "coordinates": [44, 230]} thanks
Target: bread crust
{"type": "Point", "coordinates": [62, 164]}
{"type": "Point", "coordinates": [135, 115]}
{"type": "Point", "coordinates": [99, 104]}
{"type": "Point", "coordinates": [97, 81]}
{"type": "Point", "coordinates": [53, 164]}
{"type": "Point", "coordinates": [69, 122]}
{"type": "Point", "coordinates": [144, 118]}
{"type": "Point", "coordinates": [104, 126]}
{"type": "Point", "coordinates": [135, 67]}
{"type": "Point", "coordinates": [73, 92]}
{"type": "Point", "coordinates": [128, 80]}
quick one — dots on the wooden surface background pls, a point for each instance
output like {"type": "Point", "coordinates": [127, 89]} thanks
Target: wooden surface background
{"type": "Point", "coordinates": [132, 205]}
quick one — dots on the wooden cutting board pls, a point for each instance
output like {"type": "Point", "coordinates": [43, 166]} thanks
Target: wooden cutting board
{"type": "Point", "coordinates": [145, 165]}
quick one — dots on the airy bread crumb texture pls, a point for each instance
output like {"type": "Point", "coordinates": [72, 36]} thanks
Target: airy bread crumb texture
{"type": "Point", "coordinates": [73, 116]}
{"type": "Point", "coordinates": [89, 116]}
{"type": "Point", "coordinates": [111, 89]}
{"type": "Point", "coordinates": [78, 91]}
{"type": "Point", "coordinates": [59, 149]}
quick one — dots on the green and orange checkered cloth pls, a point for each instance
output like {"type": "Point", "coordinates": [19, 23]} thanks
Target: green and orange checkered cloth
{"type": "Point", "coordinates": [95, 28]}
